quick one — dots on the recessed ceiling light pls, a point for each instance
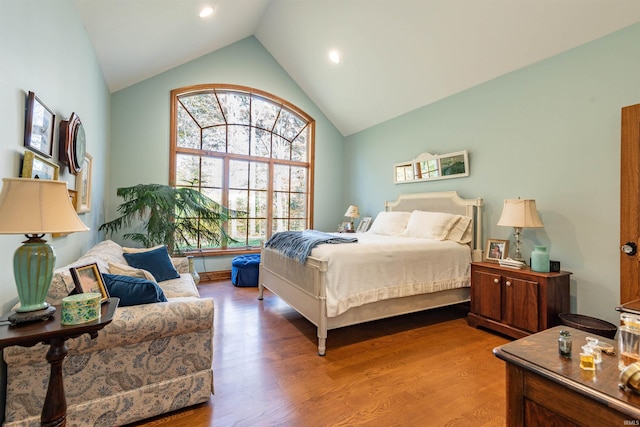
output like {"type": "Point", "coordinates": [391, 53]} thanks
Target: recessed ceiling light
{"type": "Point", "coordinates": [206, 11]}
{"type": "Point", "coordinates": [334, 56]}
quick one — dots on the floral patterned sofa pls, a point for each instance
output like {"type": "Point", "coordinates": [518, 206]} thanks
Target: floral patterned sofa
{"type": "Point", "coordinates": [151, 359]}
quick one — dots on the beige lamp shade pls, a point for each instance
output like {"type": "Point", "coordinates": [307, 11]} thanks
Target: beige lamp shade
{"type": "Point", "coordinates": [352, 212]}
{"type": "Point", "coordinates": [520, 213]}
{"type": "Point", "coordinates": [37, 206]}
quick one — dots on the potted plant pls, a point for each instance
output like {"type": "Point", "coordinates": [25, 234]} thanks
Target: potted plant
{"type": "Point", "coordinates": [173, 216]}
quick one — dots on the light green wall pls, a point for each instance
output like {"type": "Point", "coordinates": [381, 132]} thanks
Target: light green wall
{"type": "Point", "coordinates": [44, 49]}
{"type": "Point", "coordinates": [550, 132]}
{"type": "Point", "coordinates": [140, 127]}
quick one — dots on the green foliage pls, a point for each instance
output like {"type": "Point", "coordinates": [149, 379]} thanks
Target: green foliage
{"type": "Point", "coordinates": [176, 217]}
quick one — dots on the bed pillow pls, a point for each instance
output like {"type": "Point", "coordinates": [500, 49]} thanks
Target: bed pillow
{"type": "Point", "coordinates": [430, 225]}
{"type": "Point", "coordinates": [155, 261]}
{"type": "Point", "coordinates": [133, 290]}
{"type": "Point", "coordinates": [462, 230]}
{"type": "Point", "coordinates": [127, 270]}
{"type": "Point", "coordinates": [390, 223]}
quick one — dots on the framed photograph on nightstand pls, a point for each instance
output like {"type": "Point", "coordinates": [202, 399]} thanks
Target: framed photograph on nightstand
{"type": "Point", "coordinates": [496, 250]}
{"type": "Point", "coordinates": [364, 225]}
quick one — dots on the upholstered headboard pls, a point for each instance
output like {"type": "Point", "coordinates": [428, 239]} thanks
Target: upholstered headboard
{"type": "Point", "coordinates": [449, 202]}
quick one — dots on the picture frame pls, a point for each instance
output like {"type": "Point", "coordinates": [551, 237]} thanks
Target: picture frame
{"type": "Point", "coordinates": [496, 250]}
{"type": "Point", "coordinates": [83, 185]}
{"type": "Point", "coordinates": [364, 224]}
{"type": "Point", "coordinates": [345, 227]}
{"type": "Point", "coordinates": [73, 197]}
{"type": "Point", "coordinates": [34, 166]}
{"type": "Point", "coordinates": [431, 167]}
{"type": "Point", "coordinates": [88, 278]}
{"type": "Point", "coordinates": [39, 126]}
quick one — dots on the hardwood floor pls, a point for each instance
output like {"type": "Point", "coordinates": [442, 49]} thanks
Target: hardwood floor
{"type": "Point", "coordinates": [425, 369]}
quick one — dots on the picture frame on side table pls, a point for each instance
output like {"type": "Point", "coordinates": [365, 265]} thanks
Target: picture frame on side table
{"type": "Point", "coordinates": [39, 126]}
{"type": "Point", "coordinates": [89, 279]}
{"type": "Point", "coordinates": [496, 250]}
{"type": "Point", "coordinates": [34, 166]}
{"type": "Point", "coordinates": [364, 224]}
{"type": "Point", "coordinates": [83, 185]}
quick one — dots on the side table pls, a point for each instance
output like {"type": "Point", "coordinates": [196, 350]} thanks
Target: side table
{"type": "Point", "coordinates": [52, 333]}
{"type": "Point", "coordinates": [517, 302]}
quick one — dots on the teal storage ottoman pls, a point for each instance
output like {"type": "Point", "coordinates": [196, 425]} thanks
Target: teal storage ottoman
{"type": "Point", "coordinates": [245, 270]}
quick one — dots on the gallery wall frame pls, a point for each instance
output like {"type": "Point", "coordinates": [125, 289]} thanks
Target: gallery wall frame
{"type": "Point", "coordinates": [39, 126]}
{"type": "Point", "coordinates": [34, 166]}
{"type": "Point", "coordinates": [83, 185]}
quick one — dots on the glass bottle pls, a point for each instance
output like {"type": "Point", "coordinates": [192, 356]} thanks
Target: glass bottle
{"type": "Point", "coordinates": [595, 350]}
{"type": "Point", "coordinates": [587, 361]}
{"type": "Point", "coordinates": [540, 259]}
{"type": "Point", "coordinates": [564, 344]}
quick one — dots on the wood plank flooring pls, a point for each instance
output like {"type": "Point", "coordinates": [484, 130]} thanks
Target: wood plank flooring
{"type": "Point", "coordinates": [425, 369]}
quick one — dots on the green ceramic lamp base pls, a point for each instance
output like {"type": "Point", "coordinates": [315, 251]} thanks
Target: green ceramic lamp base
{"type": "Point", "coordinates": [33, 269]}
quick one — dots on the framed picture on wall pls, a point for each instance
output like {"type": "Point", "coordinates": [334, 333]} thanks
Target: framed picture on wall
{"type": "Point", "coordinates": [34, 166]}
{"type": "Point", "coordinates": [39, 123]}
{"type": "Point", "coordinates": [83, 185]}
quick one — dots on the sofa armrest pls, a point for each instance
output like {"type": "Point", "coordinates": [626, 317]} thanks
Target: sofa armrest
{"type": "Point", "coordinates": [131, 325]}
{"type": "Point", "coordinates": [181, 264]}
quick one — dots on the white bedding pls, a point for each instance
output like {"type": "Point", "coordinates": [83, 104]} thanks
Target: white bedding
{"type": "Point", "coordinates": [382, 267]}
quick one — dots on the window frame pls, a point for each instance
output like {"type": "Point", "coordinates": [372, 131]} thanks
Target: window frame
{"type": "Point", "coordinates": [174, 150]}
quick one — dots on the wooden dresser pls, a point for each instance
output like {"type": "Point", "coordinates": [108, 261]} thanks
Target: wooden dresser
{"type": "Point", "coordinates": [545, 389]}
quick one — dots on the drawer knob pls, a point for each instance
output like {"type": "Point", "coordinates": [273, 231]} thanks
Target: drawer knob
{"type": "Point", "coordinates": [496, 281]}
{"type": "Point", "coordinates": [508, 283]}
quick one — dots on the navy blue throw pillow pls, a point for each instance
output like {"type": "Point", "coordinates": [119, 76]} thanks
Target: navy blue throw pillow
{"type": "Point", "coordinates": [133, 290]}
{"type": "Point", "coordinates": [155, 261]}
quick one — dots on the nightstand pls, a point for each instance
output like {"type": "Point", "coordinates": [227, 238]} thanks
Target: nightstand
{"type": "Point", "coordinates": [516, 302]}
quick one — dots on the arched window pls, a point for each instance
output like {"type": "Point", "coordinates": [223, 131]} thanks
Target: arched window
{"type": "Point", "coordinates": [248, 150]}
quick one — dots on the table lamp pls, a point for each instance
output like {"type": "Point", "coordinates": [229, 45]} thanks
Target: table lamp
{"type": "Point", "coordinates": [351, 213]}
{"type": "Point", "coordinates": [35, 207]}
{"type": "Point", "coordinates": [519, 214]}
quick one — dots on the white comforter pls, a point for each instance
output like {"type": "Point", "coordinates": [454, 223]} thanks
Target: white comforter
{"type": "Point", "coordinates": [382, 267]}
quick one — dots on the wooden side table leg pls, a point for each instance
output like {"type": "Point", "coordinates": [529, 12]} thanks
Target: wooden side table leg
{"type": "Point", "coordinates": [54, 411]}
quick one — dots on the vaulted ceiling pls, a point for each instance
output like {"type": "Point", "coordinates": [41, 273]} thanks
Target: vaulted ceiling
{"type": "Point", "coordinates": [396, 55]}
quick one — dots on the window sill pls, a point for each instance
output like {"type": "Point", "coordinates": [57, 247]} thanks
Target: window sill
{"type": "Point", "coordinates": [221, 252]}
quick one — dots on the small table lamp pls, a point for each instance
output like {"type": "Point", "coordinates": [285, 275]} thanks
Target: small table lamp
{"type": "Point", "coordinates": [35, 207]}
{"type": "Point", "coordinates": [351, 213]}
{"type": "Point", "coordinates": [519, 214]}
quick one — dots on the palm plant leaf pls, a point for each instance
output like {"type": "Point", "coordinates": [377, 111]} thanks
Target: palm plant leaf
{"type": "Point", "coordinates": [175, 216]}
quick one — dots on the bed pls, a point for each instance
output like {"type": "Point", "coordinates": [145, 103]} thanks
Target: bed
{"type": "Point", "coordinates": [329, 293]}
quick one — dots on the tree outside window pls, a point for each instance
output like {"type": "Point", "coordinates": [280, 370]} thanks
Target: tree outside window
{"type": "Point", "coordinates": [248, 150]}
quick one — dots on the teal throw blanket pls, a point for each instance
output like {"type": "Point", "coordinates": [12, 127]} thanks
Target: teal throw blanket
{"type": "Point", "coordinates": [298, 244]}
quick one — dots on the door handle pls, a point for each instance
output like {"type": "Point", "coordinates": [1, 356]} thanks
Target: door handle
{"type": "Point", "coordinates": [629, 248]}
